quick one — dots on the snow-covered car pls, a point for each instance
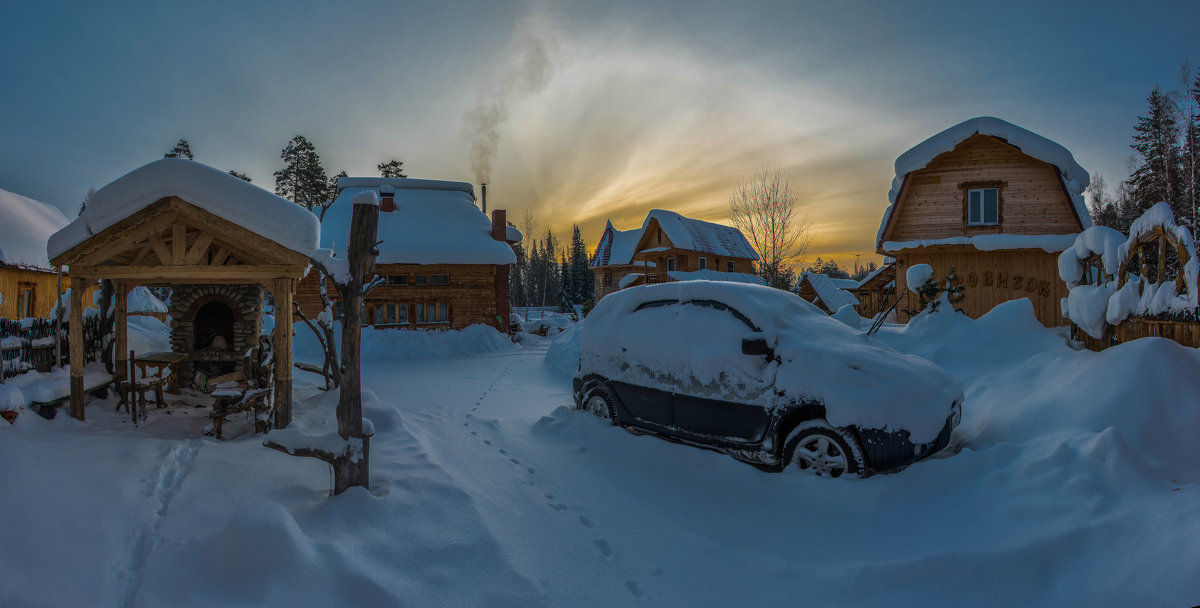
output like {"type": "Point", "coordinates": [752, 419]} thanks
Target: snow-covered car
{"type": "Point", "coordinates": [762, 375]}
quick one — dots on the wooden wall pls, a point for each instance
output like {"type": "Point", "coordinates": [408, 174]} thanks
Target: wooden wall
{"type": "Point", "coordinates": [473, 293]}
{"type": "Point", "coordinates": [990, 278]}
{"type": "Point", "coordinates": [689, 261]}
{"type": "Point", "coordinates": [44, 284]}
{"type": "Point", "coordinates": [618, 273]}
{"type": "Point", "coordinates": [932, 205]}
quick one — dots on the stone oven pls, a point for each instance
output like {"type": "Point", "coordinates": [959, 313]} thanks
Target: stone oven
{"type": "Point", "coordinates": [215, 325]}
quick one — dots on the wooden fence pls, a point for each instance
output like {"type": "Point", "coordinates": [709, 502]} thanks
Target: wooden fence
{"type": "Point", "coordinates": [28, 344]}
{"type": "Point", "coordinates": [1186, 333]}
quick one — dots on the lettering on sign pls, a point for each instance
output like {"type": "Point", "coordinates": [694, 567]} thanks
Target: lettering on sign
{"type": "Point", "coordinates": [1019, 282]}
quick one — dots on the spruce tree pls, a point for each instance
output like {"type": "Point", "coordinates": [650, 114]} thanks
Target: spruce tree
{"type": "Point", "coordinates": [582, 285]}
{"type": "Point", "coordinates": [552, 277]}
{"type": "Point", "coordinates": [1157, 176]}
{"type": "Point", "coordinates": [182, 149]}
{"type": "Point", "coordinates": [392, 168]}
{"type": "Point", "coordinates": [565, 303]}
{"type": "Point", "coordinates": [302, 179]}
{"type": "Point", "coordinates": [240, 175]}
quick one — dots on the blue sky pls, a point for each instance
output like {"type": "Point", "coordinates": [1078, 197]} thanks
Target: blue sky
{"type": "Point", "coordinates": [606, 109]}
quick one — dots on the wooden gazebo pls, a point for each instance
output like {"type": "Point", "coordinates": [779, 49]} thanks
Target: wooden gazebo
{"type": "Point", "coordinates": [177, 222]}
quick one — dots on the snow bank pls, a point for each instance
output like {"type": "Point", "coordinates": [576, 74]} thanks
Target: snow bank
{"type": "Point", "coordinates": [1074, 177]}
{"type": "Point", "coordinates": [818, 358]}
{"type": "Point", "coordinates": [399, 344]}
{"type": "Point", "coordinates": [563, 355]}
{"type": "Point", "coordinates": [918, 275]}
{"type": "Point", "coordinates": [141, 300]}
{"type": "Point", "coordinates": [213, 190]}
{"type": "Point", "coordinates": [26, 226]}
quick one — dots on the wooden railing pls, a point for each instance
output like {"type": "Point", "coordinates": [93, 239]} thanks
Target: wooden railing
{"type": "Point", "coordinates": [29, 345]}
{"type": "Point", "coordinates": [1186, 333]}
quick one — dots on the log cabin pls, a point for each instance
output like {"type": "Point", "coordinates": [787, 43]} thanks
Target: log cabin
{"type": "Point", "coordinates": [876, 290]}
{"type": "Point", "coordinates": [995, 202]}
{"type": "Point", "coordinates": [442, 264]}
{"type": "Point", "coordinates": [27, 282]}
{"type": "Point", "coordinates": [827, 293]}
{"type": "Point", "coordinates": [671, 247]}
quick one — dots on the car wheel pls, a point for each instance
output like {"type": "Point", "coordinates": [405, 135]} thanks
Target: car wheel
{"type": "Point", "coordinates": [822, 450]}
{"type": "Point", "coordinates": [600, 402]}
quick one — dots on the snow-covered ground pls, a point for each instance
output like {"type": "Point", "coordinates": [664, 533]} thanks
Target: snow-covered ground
{"type": "Point", "coordinates": [1071, 481]}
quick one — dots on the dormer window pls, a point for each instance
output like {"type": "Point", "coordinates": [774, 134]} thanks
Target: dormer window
{"type": "Point", "coordinates": [983, 207]}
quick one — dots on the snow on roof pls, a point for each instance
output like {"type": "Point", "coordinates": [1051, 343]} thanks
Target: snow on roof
{"type": "Point", "coordinates": [870, 276]}
{"type": "Point", "coordinates": [701, 236]}
{"type": "Point", "coordinates": [1074, 177]}
{"type": "Point", "coordinates": [141, 300]}
{"type": "Point", "coordinates": [1052, 243]}
{"type": "Point", "coordinates": [26, 227]}
{"type": "Point", "coordinates": [213, 190]}
{"type": "Point", "coordinates": [616, 246]}
{"type": "Point", "coordinates": [435, 222]}
{"type": "Point", "coordinates": [831, 291]}
{"type": "Point", "coordinates": [716, 275]}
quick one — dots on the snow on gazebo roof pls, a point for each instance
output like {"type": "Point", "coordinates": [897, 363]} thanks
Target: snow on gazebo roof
{"type": "Point", "coordinates": [26, 227]}
{"type": "Point", "coordinates": [213, 190]}
{"type": "Point", "coordinates": [435, 222]}
{"type": "Point", "coordinates": [701, 236]}
{"type": "Point", "coordinates": [616, 247]}
{"type": "Point", "coordinates": [1074, 177]}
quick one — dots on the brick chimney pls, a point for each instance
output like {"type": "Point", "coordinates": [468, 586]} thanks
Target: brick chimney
{"type": "Point", "coordinates": [387, 202]}
{"type": "Point", "coordinates": [499, 225]}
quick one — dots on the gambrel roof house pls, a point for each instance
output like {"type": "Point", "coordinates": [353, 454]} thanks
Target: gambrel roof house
{"type": "Point", "coordinates": [993, 201]}
{"type": "Point", "coordinates": [446, 263]}
{"type": "Point", "coordinates": [671, 247]}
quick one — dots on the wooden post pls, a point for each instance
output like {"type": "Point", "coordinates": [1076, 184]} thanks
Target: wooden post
{"type": "Point", "coordinates": [120, 314]}
{"type": "Point", "coordinates": [76, 355]}
{"type": "Point", "coordinates": [282, 289]}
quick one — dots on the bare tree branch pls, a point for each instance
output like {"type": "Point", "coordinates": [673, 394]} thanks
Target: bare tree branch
{"type": "Point", "coordinates": [765, 208]}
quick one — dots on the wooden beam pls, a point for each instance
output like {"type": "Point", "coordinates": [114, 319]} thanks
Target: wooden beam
{"type": "Point", "coordinates": [116, 239]}
{"type": "Point", "coordinates": [219, 257]}
{"type": "Point", "coordinates": [160, 249]}
{"type": "Point", "coordinates": [76, 344]}
{"type": "Point", "coordinates": [198, 248]}
{"type": "Point", "coordinates": [120, 315]}
{"type": "Point", "coordinates": [178, 242]}
{"type": "Point", "coordinates": [140, 256]}
{"type": "Point", "coordinates": [283, 290]}
{"type": "Point", "coordinates": [190, 274]}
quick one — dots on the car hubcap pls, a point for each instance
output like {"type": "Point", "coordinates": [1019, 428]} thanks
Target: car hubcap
{"type": "Point", "coordinates": [822, 455]}
{"type": "Point", "coordinates": [598, 406]}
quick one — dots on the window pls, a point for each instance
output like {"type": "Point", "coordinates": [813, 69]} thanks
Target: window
{"type": "Point", "coordinates": [703, 263]}
{"type": "Point", "coordinates": [397, 279]}
{"type": "Point", "coordinates": [983, 207]}
{"type": "Point", "coordinates": [391, 313]}
{"type": "Point", "coordinates": [25, 301]}
{"type": "Point", "coordinates": [608, 279]}
{"type": "Point", "coordinates": [433, 279]}
{"type": "Point", "coordinates": [670, 264]}
{"type": "Point", "coordinates": [422, 279]}
{"type": "Point", "coordinates": [729, 266]}
{"type": "Point", "coordinates": [433, 312]}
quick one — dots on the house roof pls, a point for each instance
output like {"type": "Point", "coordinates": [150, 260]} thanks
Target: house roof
{"type": "Point", "coordinates": [435, 222]}
{"type": "Point", "coordinates": [615, 247]}
{"type": "Point", "coordinates": [27, 226]}
{"type": "Point", "coordinates": [832, 292]}
{"type": "Point", "coordinates": [701, 236]}
{"type": "Point", "coordinates": [272, 217]}
{"type": "Point", "coordinates": [1074, 177]}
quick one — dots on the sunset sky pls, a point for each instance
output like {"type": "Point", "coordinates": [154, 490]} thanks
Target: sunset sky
{"type": "Point", "coordinates": [597, 110]}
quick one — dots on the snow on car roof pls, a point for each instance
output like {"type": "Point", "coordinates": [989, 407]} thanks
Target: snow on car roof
{"type": "Point", "coordinates": [435, 222]}
{"type": "Point", "coordinates": [27, 226]}
{"type": "Point", "coordinates": [213, 190]}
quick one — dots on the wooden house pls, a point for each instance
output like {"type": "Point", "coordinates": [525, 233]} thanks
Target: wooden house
{"type": "Point", "coordinates": [876, 290]}
{"type": "Point", "coordinates": [671, 247]}
{"type": "Point", "coordinates": [217, 241]}
{"type": "Point", "coordinates": [995, 202]}
{"type": "Point", "coordinates": [442, 263]}
{"type": "Point", "coordinates": [827, 293]}
{"type": "Point", "coordinates": [27, 283]}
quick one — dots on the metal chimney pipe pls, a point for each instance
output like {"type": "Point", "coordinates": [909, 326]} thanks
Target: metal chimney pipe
{"type": "Point", "coordinates": [483, 187]}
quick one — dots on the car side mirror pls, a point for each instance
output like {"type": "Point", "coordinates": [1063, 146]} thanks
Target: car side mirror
{"type": "Point", "coordinates": [757, 346]}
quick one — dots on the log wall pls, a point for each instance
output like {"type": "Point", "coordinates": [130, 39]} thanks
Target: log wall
{"type": "Point", "coordinates": [932, 204]}
{"type": "Point", "coordinates": [990, 278]}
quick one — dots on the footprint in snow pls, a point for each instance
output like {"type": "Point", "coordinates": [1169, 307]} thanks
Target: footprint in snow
{"type": "Point", "coordinates": [514, 461]}
{"type": "Point", "coordinates": [587, 522]}
{"type": "Point", "coordinates": [531, 470]}
{"type": "Point", "coordinates": [633, 588]}
{"type": "Point", "coordinates": [487, 442]}
{"type": "Point", "coordinates": [605, 549]}
{"type": "Point", "coordinates": [558, 506]}
{"type": "Point", "coordinates": [503, 451]}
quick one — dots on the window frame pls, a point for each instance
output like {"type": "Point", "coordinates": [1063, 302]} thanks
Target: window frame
{"type": "Point", "coordinates": [729, 266]}
{"type": "Point", "coordinates": [439, 309]}
{"type": "Point", "coordinates": [982, 188]}
{"type": "Point", "coordinates": [701, 263]}
{"type": "Point", "coordinates": [26, 296]}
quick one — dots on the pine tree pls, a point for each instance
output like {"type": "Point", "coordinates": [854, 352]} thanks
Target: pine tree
{"type": "Point", "coordinates": [331, 191]}
{"type": "Point", "coordinates": [582, 284]}
{"type": "Point", "coordinates": [182, 149]}
{"type": "Point", "coordinates": [1157, 177]}
{"type": "Point", "coordinates": [302, 178]}
{"type": "Point", "coordinates": [552, 277]}
{"type": "Point", "coordinates": [392, 168]}
{"type": "Point", "coordinates": [565, 303]}
{"type": "Point", "coordinates": [517, 277]}
{"type": "Point", "coordinates": [240, 175]}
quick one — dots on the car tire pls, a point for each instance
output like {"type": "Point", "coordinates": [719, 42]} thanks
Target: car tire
{"type": "Point", "coordinates": [600, 401]}
{"type": "Point", "coordinates": [817, 448]}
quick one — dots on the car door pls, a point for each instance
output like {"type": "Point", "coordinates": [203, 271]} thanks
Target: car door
{"type": "Point", "coordinates": [730, 405]}
{"type": "Point", "coordinates": [643, 387]}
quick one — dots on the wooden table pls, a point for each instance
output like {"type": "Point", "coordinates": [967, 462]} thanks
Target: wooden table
{"type": "Point", "coordinates": [163, 363]}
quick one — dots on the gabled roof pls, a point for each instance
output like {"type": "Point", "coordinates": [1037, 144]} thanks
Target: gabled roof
{"type": "Point", "coordinates": [701, 236]}
{"type": "Point", "coordinates": [1074, 177]}
{"type": "Point", "coordinates": [435, 222]}
{"type": "Point", "coordinates": [615, 247]}
{"type": "Point", "coordinates": [26, 226]}
{"type": "Point", "coordinates": [217, 192]}
{"type": "Point", "coordinates": [830, 291]}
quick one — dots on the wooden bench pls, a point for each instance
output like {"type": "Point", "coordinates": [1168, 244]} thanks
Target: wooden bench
{"type": "Point", "coordinates": [234, 395]}
{"type": "Point", "coordinates": [49, 409]}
